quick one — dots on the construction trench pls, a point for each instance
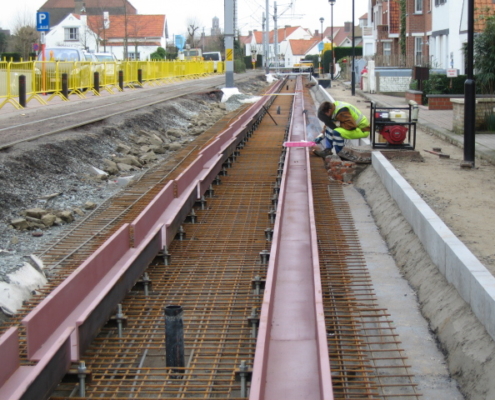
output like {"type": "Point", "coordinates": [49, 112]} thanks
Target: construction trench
{"type": "Point", "coordinates": [214, 267]}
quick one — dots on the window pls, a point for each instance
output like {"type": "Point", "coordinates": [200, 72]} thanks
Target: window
{"type": "Point", "coordinates": [418, 42]}
{"type": "Point", "coordinates": [440, 2]}
{"type": "Point", "coordinates": [71, 33]}
{"type": "Point", "coordinates": [387, 48]}
{"type": "Point", "coordinates": [418, 6]}
{"type": "Point", "coordinates": [387, 52]}
{"type": "Point", "coordinates": [133, 56]}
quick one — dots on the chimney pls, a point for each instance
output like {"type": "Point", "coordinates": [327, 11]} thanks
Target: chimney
{"type": "Point", "coordinates": [78, 5]}
{"type": "Point", "coordinates": [347, 26]}
{"type": "Point", "coordinates": [317, 33]}
{"type": "Point", "coordinates": [250, 33]}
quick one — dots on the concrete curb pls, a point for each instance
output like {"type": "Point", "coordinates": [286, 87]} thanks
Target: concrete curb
{"type": "Point", "coordinates": [474, 283]}
{"type": "Point", "coordinates": [461, 268]}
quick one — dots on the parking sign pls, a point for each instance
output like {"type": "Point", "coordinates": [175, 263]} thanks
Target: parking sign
{"type": "Point", "coordinates": [42, 21]}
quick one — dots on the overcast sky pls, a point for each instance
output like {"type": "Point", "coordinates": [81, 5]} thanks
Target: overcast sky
{"type": "Point", "coordinates": [306, 13]}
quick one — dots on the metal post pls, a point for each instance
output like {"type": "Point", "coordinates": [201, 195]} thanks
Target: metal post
{"type": "Point", "coordinates": [65, 86]}
{"type": "Point", "coordinates": [275, 35]}
{"type": "Point", "coordinates": [267, 70]}
{"type": "Point", "coordinates": [174, 337]}
{"type": "Point", "coordinates": [121, 80]}
{"type": "Point", "coordinates": [353, 76]}
{"type": "Point", "coordinates": [96, 82]}
{"type": "Point", "coordinates": [81, 373]}
{"type": "Point", "coordinates": [469, 96]}
{"type": "Point", "coordinates": [22, 90]}
{"type": "Point", "coordinates": [229, 43]}
{"type": "Point", "coordinates": [321, 53]}
{"type": "Point", "coordinates": [332, 2]}
{"type": "Point", "coordinates": [243, 369]}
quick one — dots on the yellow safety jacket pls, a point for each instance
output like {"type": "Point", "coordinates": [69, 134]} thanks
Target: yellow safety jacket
{"type": "Point", "coordinates": [352, 123]}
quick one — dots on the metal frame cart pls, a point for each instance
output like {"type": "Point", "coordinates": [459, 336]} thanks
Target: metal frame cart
{"type": "Point", "coordinates": [393, 128]}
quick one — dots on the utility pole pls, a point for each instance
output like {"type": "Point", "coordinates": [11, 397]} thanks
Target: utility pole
{"type": "Point", "coordinates": [275, 34]}
{"type": "Point", "coordinates": [470, 96]}
{"type": "Point", "coordinates": [267, 70]}
{"type": "Point", "coordinates": [353, 72]}
{"type": "Point", "coordinates": [229, 43]}
{"type": "Point", "coordinates": [265, 58]}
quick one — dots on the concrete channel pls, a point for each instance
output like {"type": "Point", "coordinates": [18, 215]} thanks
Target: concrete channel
{"type": "Point", "coordinates": [395, 290]}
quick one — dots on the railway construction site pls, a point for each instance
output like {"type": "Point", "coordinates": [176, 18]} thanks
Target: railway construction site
{"type": "Point", "coordinates": [282, 282]}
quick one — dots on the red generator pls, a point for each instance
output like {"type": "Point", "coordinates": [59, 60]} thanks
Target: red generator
{"type": "Point", "coordinates": [393, 128]}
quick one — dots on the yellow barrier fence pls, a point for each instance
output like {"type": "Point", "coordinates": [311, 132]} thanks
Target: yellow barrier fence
{"type": "Point", "coordinates": [44, 78]}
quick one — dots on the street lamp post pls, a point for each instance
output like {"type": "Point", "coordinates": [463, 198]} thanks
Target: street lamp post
{"type": "Point", "coordinates": [353, 75]}
{"type": "Point", "coordinates": [321, 39]}
{"type": "Point", "coordinates": [332, 2]}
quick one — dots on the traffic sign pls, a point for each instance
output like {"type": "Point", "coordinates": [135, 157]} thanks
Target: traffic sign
{"type": "Point", "coordinates": [42, 21]}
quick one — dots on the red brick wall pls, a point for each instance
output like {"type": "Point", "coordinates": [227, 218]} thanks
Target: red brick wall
{"type": "Point", "coordinates": [417, 97]}
{"type": "Point", "coordinates": [439, 103]}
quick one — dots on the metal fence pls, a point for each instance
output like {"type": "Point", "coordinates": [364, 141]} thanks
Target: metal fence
{"type": "Point", "coordinates": [45, 77]}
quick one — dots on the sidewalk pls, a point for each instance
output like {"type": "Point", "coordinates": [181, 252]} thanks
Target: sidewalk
{"type": "Point", "coordinates": [436, 122]}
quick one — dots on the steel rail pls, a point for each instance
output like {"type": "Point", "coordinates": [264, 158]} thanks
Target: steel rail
{"type": "Point", "coordinates": [291, 360]}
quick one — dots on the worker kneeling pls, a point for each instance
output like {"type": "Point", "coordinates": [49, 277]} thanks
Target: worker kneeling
{"type": "Point", "coordinates": [352, 125]}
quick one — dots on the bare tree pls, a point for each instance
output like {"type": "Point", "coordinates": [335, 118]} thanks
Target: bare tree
{"type": "Point", "coordinates": [24, 34]}
{"type": "Point", "coordinates": [135, 28]}
{"type": "Point", "coordinates": [192, 26]}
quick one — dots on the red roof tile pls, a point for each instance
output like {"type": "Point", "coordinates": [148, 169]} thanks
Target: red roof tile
{"type": "Point", "coordinates": [480, 8]}
{"type": "Point", "coordinates": [283, 33]}
{"type": "Point", "coordinates": [89, 4]}
{"type": "Point", "coordinates": [140, 26]}
{"type": "Point", "coordinates": [300, 47]}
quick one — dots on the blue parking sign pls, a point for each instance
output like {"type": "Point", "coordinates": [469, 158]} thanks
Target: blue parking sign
{"type": "Point", "coordinates": [42, 21]}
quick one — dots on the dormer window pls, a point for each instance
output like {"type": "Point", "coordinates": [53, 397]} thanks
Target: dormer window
{"type": "Point", "coordinates": [71, 33]}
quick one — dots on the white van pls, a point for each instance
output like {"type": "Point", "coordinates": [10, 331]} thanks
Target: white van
{"type": "Point", "coordinates": [213, 56]}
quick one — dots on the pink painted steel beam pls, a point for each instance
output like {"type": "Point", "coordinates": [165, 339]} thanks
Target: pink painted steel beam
{"type": "Point", "coordinates": [291, 359]}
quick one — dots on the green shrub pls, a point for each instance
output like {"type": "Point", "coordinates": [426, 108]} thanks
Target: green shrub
{"type": "Point", "coordinates": [15, 57]}
{"type": "Point", "coordinates": [239, 65]}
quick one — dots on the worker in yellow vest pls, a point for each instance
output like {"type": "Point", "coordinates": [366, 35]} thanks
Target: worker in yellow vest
{"type": "Point", "coordinates": [352, 124]}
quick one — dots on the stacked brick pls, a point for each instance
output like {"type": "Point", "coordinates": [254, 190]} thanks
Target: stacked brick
{"type": "Point", "coordinates": [340, 170]}
{"type": "Point", "coordinates": [439, 103]}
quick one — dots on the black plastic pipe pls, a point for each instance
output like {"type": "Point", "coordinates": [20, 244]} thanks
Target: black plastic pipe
{"type": "Point", "coordinates": [22, 90]}
{"type": "Point", "coordinates": [65, 86]}
{"type": "Point", "coordinates": [96, 82]}
{"type": "Point", "coordinates": [174, 337]}
{"type": "Point", "coordinates": [121, 80]}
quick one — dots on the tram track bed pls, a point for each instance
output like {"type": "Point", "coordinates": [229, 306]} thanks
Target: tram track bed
{"type": "Point", "coordinates": [212, 269]}
{"type": "Point", "coordinates": [56, 173]}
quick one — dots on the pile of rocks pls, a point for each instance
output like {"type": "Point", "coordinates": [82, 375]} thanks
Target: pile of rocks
{"type": "Point", "coordinates": [37, 219]}
{"type": "Point", "coordinates": [146, 145]}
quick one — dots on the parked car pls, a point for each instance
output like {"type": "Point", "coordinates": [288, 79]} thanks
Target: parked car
{"type": "Point", "coordinates": [63, 54]}
{"type": "Point", "coordinates": [80, 75]}
{"type": "Point", "coordinates": [214, 56]}
{"type": "Point", "coordinates": [105, 57]}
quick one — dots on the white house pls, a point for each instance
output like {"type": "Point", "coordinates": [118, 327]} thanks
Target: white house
{"type": "Point", "coordinates": [145, 33]}
{"type": "Point", "coordinates": [254, 42]}
{"type": "Point", "coordinates": [449, 33]}
{"type": "Point", "coordinates": [297, 49]}
{"type": "Point", "coordinates": [72, 32]}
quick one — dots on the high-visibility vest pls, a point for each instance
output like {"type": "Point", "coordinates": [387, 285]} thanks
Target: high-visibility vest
{"type": "Point", "coordinates": [361, 120]}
